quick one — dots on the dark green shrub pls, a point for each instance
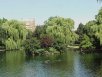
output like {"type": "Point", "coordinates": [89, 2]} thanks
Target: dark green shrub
{"type": "Point", "coordinates": [32, 45]}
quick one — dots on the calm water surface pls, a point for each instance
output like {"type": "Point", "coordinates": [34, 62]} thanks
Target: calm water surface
{"type": "Point", "coordinates": [69, 64]}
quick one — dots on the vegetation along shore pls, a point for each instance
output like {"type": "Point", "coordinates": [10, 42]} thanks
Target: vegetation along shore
{"type": "Point", "coordinates": [55, 36]}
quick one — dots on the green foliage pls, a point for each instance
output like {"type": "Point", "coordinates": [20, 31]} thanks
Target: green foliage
{"type": "Point", "coordinates": [99, 28]}
{"type": "Point", "coordinates": [80, 29]}
{"type": "Point", "coordinates": [32, 45]}
{"type": "Point", "coordinates": [51, 49]}
{"type": "Point", "coordinates": [2, 32]}
{"type": "Point", "coordinates": [3, 20]}
{"type": "Point", "coordinates": [56, 34]}
{"type": "Point", "coordinates": [86, 42]}
{"type": "Point", "coordinates": [29, 35]}
{"type": "Point", "coordinates": [39, 31]}
{"type": "Point", "coordinates": [99, 16]}
{"type": "Point", "coordinates": [61, 29]}
{"type": "Point", "coordinates": [59, 46]}
{"type": "Point", "coordinates": [93, 31]}
{"type": "Point", "coordinates": [59, 21]}
{"type": "Point", "coordinates": [10, 44]}
{"type": "Point", "coordinates": [13, 34]}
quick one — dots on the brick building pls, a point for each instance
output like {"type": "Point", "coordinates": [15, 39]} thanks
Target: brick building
{"type": "Point", "coordinates": [30, 24]}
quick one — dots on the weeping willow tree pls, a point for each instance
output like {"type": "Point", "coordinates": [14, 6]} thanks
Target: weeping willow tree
{"type": "Point", "coordinates": [13, 34]}
{"type": "Point", "coordinates": [61, 29]}
{"type": "Point", "coordinates": [2, 32]}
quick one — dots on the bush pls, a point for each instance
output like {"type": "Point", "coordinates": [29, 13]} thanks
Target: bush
{"type": "Point", "coordinates": [47, 41]}
{"type": "Point", "coordinates": [86, 43]}
{"type": "Point", "coordinates": [59, 46]}
{"type": "Point", "coordinates": [51, 49]}
{"type": "Point", "coordinates": [32, 45]}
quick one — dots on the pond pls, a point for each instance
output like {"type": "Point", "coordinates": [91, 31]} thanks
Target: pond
{"type": "Point", "coordinates": [69, 64]}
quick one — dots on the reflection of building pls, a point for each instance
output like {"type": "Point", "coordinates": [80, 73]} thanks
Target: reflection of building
{"type": "Point", "coordinates": [30, 24]}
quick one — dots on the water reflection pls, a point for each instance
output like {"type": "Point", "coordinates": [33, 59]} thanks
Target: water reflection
{"type": "Point", "coordinates": [11, 63]}
{"type": "Point", "coordinates": [69, 64]}
{"type": "Point", "coordinates": [93, 63]}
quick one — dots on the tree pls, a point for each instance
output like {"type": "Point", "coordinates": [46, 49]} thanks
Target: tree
{"type": "Point", "coordinates": [31, 46]}
{"type": "Point", "coordinates": [99, 27]}
{"type": "Point", "coordinates": [13, 33]}
{"type": "Point", "coordinates": [2, 32]}
{"type": "Point", "coordinates": [39, 31]}
{"type": "Point", "coordinates": [86, 42]}
{"type": "Point", "coordinates": [3, 20]}
{"type": "Point", "coordinates": [93, 29]}
{"type": "Point", "coordinates": [61, 29]}
{"type": "Point", "coordinates": [47, 41]}
{"type": "Point", "coordinates": [80, 31]}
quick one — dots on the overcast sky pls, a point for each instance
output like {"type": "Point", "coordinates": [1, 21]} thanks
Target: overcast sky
{"type": "Point", "coordinates": [41, 10]}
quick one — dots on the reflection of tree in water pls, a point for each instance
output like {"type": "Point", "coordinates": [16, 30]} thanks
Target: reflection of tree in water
{"type": "Point", "coordinates": [2, 59]}
{"type": "Point", "coordinates": [14, 59]}
{"type": "Point", "coordinates": [11, 63]}
{"type": "Point", "coordinates": [99, 71]}
{"type": "Point", "coordinates": [92, 62]}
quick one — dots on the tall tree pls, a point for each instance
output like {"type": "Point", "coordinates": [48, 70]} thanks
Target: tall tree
{"type": "Point", "coordinates": [13, 34]}
{"type": "Point", "coordinates": [93, 29]}
{"type": "Point", "coordinates": [79, 31]}
{"type": "Point", "coordinates": [61, 29]}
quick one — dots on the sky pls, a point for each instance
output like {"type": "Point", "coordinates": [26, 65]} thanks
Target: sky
{"type": "Point", "coordinates": [81, 11]}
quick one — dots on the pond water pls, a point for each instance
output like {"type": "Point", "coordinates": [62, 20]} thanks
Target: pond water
{"type": "Point", "coordinates": [69, 64]}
